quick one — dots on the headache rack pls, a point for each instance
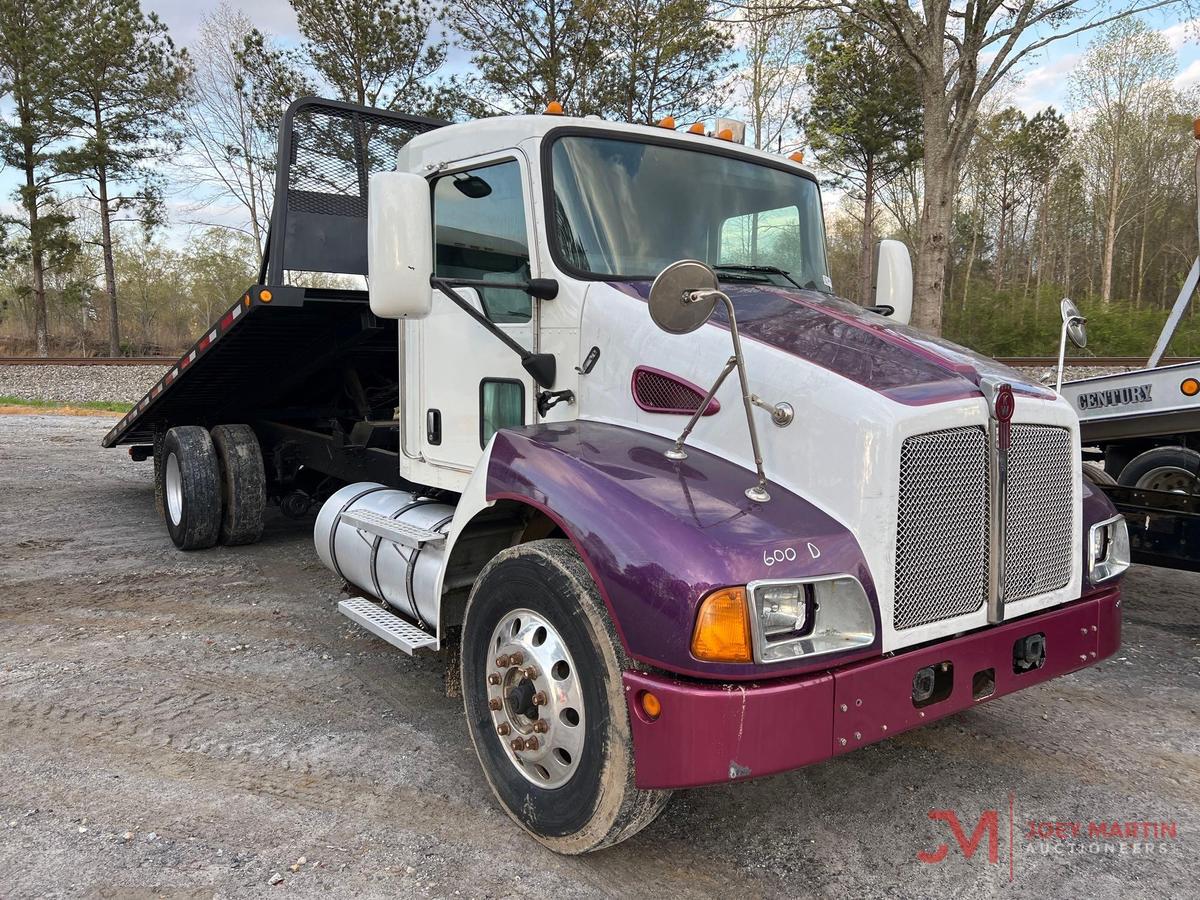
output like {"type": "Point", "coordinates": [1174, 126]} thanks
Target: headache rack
{"type": "Point", "coordinates": [305, 359]}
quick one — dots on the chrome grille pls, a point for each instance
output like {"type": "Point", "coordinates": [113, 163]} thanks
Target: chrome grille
{"type": "Point", "coordinates": [942, 526]}
{"type": "Point", "coordinates": [1037, 558]}
{"type": "Point", "coordinates": [942, 521]}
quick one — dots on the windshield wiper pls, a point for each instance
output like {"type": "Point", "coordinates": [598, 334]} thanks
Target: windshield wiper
{"type": "Point", "coordinates": [766, 270]}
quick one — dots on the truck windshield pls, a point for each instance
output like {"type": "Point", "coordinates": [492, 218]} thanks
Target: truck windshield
{"type": "Point", "coordinates": [627, 209]}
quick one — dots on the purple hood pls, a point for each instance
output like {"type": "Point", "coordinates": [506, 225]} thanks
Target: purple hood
{"type": "Point", "coordinates": [901, 363]}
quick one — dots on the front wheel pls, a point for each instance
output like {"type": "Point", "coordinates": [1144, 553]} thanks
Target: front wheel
{"type": "Point", "coordinates": [541, 682]}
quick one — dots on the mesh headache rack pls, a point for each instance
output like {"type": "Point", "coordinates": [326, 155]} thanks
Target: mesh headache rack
{"type": "Point", "coordinates": [275, 337]}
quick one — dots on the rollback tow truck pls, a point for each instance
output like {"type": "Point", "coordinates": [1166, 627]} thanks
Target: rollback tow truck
{"type": "Point", "coordinates": [601, 424]}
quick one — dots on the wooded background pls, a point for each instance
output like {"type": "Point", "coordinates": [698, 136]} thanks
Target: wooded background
{"type": "Point", "coordinates": [143, 170]}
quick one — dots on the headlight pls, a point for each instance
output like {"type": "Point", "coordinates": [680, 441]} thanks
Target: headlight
{"type": "Point", "coordinates": [808, 617]}
{"type": "Point", "coordinates": [1108, 549]}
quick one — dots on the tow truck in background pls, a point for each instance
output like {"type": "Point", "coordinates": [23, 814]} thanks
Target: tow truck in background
{"type": "Point", "coordinates": [601, 424]}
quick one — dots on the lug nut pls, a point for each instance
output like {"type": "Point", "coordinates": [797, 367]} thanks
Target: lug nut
{"type": "Point", "coordinates": [516, 657]}
{"type": "Point", "coordinates": [495, 704]}
{"type": "Point", "coordinates": [539, 699]}
{"type": "Point", "coordinates": [517, 744]}
{"type": "Point", "coordinates": [529, 672]}
{"type": "Point", "coordinates": [540, 726]}
{"type": "Point", "coordinates": [502, 661]}
{"type": "Point", "coordinates": [494, 678]}
{"type": "Point", "coordinates": [502, 729]}
{"type": "Point", "coordinates": [531, 743]}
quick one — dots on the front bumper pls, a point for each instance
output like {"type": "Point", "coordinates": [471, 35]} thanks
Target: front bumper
{"type": "Point", "coordinates": [713, 733]}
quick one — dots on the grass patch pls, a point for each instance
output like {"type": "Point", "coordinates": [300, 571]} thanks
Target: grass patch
{"type": "Point", "coordinates": [103, 405]}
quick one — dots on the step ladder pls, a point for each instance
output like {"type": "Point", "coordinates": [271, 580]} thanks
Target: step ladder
{"type": "Point", "coordinates": [382, 623]}
{"type": "Point", "coordinates": [392, 529]}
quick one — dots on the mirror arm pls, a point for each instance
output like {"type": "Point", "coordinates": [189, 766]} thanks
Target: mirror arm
{"type": "Point", "coordinates": [541, 288]}
{"type": "Point", "coordinates": [540, 365]}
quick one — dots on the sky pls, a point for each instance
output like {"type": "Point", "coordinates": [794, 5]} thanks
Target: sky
{"type": "Point", "coordinates": [1043, 79]}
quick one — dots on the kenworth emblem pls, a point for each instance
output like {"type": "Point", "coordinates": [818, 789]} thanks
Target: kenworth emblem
{"type": "Point", "coordinates": [1001, 405]}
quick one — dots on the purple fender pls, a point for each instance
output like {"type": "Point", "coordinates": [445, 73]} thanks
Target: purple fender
{"type": "Point", "coordinates": [659, 535]}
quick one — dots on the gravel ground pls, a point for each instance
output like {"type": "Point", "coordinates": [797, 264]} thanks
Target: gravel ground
{"type": "Point", "coordinates": [193, 725]}
{"type": "Point", "coordinates": [78, 384]}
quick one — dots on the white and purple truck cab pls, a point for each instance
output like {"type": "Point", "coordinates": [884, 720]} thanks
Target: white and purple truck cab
{"type": "Point", "coordinates": [638, 613]}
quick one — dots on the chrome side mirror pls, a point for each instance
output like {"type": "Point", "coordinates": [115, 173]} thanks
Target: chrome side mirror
{"type": "Point", "coordinates": [682, 299]}
{"type": "Point", "coordinates": [1074, 326]}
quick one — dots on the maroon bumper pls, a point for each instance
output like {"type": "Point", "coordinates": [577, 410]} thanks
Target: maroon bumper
{"type": "Point", "coordinates": [712, 733]}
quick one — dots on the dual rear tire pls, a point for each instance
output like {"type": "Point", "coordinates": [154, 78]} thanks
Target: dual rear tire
{"type": "Point", "coordinates": [212, 485]}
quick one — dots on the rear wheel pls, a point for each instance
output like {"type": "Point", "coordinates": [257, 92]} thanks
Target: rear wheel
{"type": "Point", "coordinates": [1173, 469]}
{"type": "Point", "coordinates": [243, 484]}
{"type": "Point", "coordinates": [190, 486]}
{"type": "Point", "coordinates": [541, 683]}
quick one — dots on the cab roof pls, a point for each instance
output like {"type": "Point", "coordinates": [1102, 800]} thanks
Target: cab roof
{"type": "Point", "coordinates": [465, 140]}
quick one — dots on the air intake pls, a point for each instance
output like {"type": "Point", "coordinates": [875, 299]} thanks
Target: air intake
{"type": "Point", "coordinates": [661, 392]}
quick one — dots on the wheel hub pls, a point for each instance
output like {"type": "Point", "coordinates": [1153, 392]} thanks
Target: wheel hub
{"type": "Point", "coordinates": [174, 489]}
{"type": "Point", "coordinates": [535, 698]}
{"type": "Point", "coordinates": [1173, 479]}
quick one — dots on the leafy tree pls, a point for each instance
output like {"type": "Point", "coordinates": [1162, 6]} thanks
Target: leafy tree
{"type": "Point", "coordinates": [863, 122]}
{"type": "Point", "coordinates": [374, 52]}
{"type": "Point", "coordinates": [547, 50]}
{"type": "Point", "coordinates": [32, 41]}
{"type": "Point", "coordinates": [123, 83]}
{"type": "Point", "coordinates": [665, 58]}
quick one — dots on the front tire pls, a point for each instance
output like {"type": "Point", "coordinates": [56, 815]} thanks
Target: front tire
{"type": "Point", "coordinates": [190, 485]}
{"type": "Point", "coordinates": [573, 787]}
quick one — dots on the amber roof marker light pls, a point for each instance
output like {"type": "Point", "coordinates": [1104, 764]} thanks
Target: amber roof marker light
{"type": "Point", "coordinates": [554, 108]}
{"type": "Point", "coordinates": [1189, 387]}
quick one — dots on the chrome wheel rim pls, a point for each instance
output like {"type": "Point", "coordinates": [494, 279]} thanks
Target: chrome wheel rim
{"type": "Point", "coordinates": [535, 698]}
{"type": "Point", "coordinates": [174, 489]}
{"type": "Point", "coordinates": [1172, 479]}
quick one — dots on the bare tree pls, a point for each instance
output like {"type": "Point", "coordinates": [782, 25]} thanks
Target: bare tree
{"type": "Point", "coordinates": [960, 51]}
{"type": "Point", "coordinates": [770, 85]}
{"type": "Point", "coordinates": [225, 148]}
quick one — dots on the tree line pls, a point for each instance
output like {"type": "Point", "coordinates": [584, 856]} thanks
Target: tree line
{"type": "Point", "coordinates": [112, 131]}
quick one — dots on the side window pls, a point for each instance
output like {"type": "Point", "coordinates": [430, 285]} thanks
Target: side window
{"type": "Point", "coordinates": [770, 237]}
{"type": "Point", "coordinates": [479, 229]}
{"type": "Point", "coordinates": [501, 405]}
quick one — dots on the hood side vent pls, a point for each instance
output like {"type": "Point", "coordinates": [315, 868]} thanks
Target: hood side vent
{"type": "Point", "coordinates": [657, 391]}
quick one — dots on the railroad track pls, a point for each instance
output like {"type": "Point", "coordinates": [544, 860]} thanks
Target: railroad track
{"type": "Point", "coordinates": [1131, 362]}
{"type": "Point", "coordinates": [87, 360]}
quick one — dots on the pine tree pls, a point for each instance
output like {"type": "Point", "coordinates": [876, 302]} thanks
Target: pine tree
{"type": "Point", "coordinates": [31, 48]}
{"type": "Point", "coordinates": [863, 121]}
{"type": "Point", "coordinates": [124, 82]}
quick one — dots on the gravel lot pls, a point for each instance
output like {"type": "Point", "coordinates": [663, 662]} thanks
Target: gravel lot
{"type": "Point", "coordinates": [190, 725]}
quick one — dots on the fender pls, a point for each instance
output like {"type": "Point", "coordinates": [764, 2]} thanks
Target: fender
{"type": "Point", "coordinates": [658, 535]}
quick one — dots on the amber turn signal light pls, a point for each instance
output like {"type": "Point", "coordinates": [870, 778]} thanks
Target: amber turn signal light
{"type": "Point", "coordinates": [651, 705]}
{"type": "Point", "coordinates": [722, 631]}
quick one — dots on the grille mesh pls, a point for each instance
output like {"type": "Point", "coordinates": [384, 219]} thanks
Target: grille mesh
{"type": "Point", "coordinates": [659, 392]}
{"type": "Point", "coordinates": [942, 521]}
{"type": "Point", "coordinates": [1038, 556]}
{"type": "Point", "coordinates": [942, 527]}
